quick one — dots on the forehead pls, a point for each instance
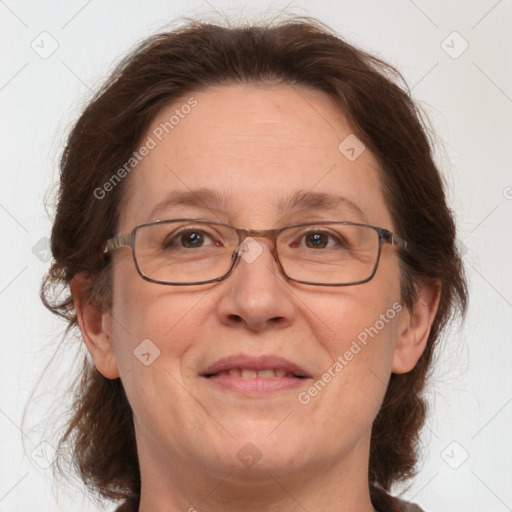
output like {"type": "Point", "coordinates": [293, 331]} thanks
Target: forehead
{"type": "Point", "coordinates": [256, 150]}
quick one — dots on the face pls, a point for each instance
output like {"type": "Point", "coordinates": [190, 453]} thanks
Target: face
{"type": "Point", "coordinates": [258, 147]}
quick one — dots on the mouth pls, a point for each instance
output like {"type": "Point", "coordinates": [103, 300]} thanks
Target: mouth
{"type": "Point", "coordinates": [255, 375]}
{"type": "Point", "coordinates": [247, 373]}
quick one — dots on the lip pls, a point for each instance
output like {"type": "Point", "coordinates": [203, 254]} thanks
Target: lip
{"type": "Point", "coordinates": [295, 375]}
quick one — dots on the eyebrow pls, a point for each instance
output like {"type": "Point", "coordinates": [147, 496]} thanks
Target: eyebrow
{"type": "Point", "coordinates": [300, 200]}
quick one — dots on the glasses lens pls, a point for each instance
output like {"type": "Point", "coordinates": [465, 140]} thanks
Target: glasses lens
{"type": "Point", "coordinates": [329, 253]}
{"type": "Point", "coordinates": [184, 251]}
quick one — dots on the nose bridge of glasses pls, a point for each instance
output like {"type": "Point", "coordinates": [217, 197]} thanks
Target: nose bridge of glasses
{"type": "Point", "coordinates": [244, 234]}
{"type": "Point", "coordinates": [263, 233]}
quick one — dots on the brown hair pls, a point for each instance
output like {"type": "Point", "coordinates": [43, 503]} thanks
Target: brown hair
{"type": "Point", "coordinates": [169, 66]}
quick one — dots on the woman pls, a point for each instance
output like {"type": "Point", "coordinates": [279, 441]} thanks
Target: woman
{"type": "Point", "coordinates": [260, 260]}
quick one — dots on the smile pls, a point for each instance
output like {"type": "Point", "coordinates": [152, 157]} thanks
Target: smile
{"type": "Point", "coordinates": [249, 375]}
{"type": "Point", "coordinates": [245, 373]}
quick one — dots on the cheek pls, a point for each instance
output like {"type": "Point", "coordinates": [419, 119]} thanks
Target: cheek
{"type": "Point", "coordinates": [363, 330]}
{"type": "Point", "coordinates": [152, 319]}
{"type": "Point", "coordinates": [366, 316]}
{"type": "Point", "coordinates": [154, 329]}
{"type": "Point", "coordinates": [347, 395]}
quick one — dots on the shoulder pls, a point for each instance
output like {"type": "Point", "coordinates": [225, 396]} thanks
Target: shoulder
{"type": "Point", "coordinates": [381, 500]}
{"type": "Point", "coordinates": [384, 502]}
{"type": "Point", "coordinates": [129, 505]}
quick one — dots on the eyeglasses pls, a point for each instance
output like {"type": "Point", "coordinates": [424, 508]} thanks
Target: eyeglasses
{"type": "Point", "coordinates": [195, 251]}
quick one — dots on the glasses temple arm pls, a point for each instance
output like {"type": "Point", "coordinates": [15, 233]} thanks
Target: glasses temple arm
{"type": "Point", "coordinates": [396, 240]}
{"type": "Point", "coordinates": [118, 241]}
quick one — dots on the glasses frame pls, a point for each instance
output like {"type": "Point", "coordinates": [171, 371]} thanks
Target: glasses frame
{"type": "Point", "coordinates": [128, 240]}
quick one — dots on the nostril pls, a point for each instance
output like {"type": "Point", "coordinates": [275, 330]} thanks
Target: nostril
{"type": "Point", "coordinates": [236, 319]}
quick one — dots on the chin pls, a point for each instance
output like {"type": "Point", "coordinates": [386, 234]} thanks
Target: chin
{"type": "Point", "coordinates": [261, 451]}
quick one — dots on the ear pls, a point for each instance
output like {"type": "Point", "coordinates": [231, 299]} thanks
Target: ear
{"type": "Point", "coordinates": [96, 328]}
{"type": "Point", "coordinates": [415, 328]}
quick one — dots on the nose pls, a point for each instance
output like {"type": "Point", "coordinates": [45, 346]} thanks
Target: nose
{"type": "Point", "coordinates": [256, 295]}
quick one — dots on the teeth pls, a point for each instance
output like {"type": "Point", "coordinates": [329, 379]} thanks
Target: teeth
{"type": "Point", "coordinates": [249, 374]}
{"type": "Point", "coordinates": [245, 373]}
{"type": "Point", "coordinates": [266, 374]}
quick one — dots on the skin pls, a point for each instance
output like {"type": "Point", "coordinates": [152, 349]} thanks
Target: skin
{"type": "Point", "coordinates": [258, 145]}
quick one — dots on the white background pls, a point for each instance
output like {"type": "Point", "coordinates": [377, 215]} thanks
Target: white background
{"type": "Point", "coordinates": [469, 101]}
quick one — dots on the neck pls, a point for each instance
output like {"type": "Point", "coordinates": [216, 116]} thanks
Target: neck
{"type": "Point", "coordinates": [341, 486]}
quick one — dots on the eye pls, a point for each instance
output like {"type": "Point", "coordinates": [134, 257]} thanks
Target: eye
{"type": "Point", "coordinates": [188, 239]}
{"type": "Point", "coordinates": [316, 240]}
{"type": "Point", "coordinates": [323, 240]}
{"type": "Point", "coordinates": [193, 239]}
